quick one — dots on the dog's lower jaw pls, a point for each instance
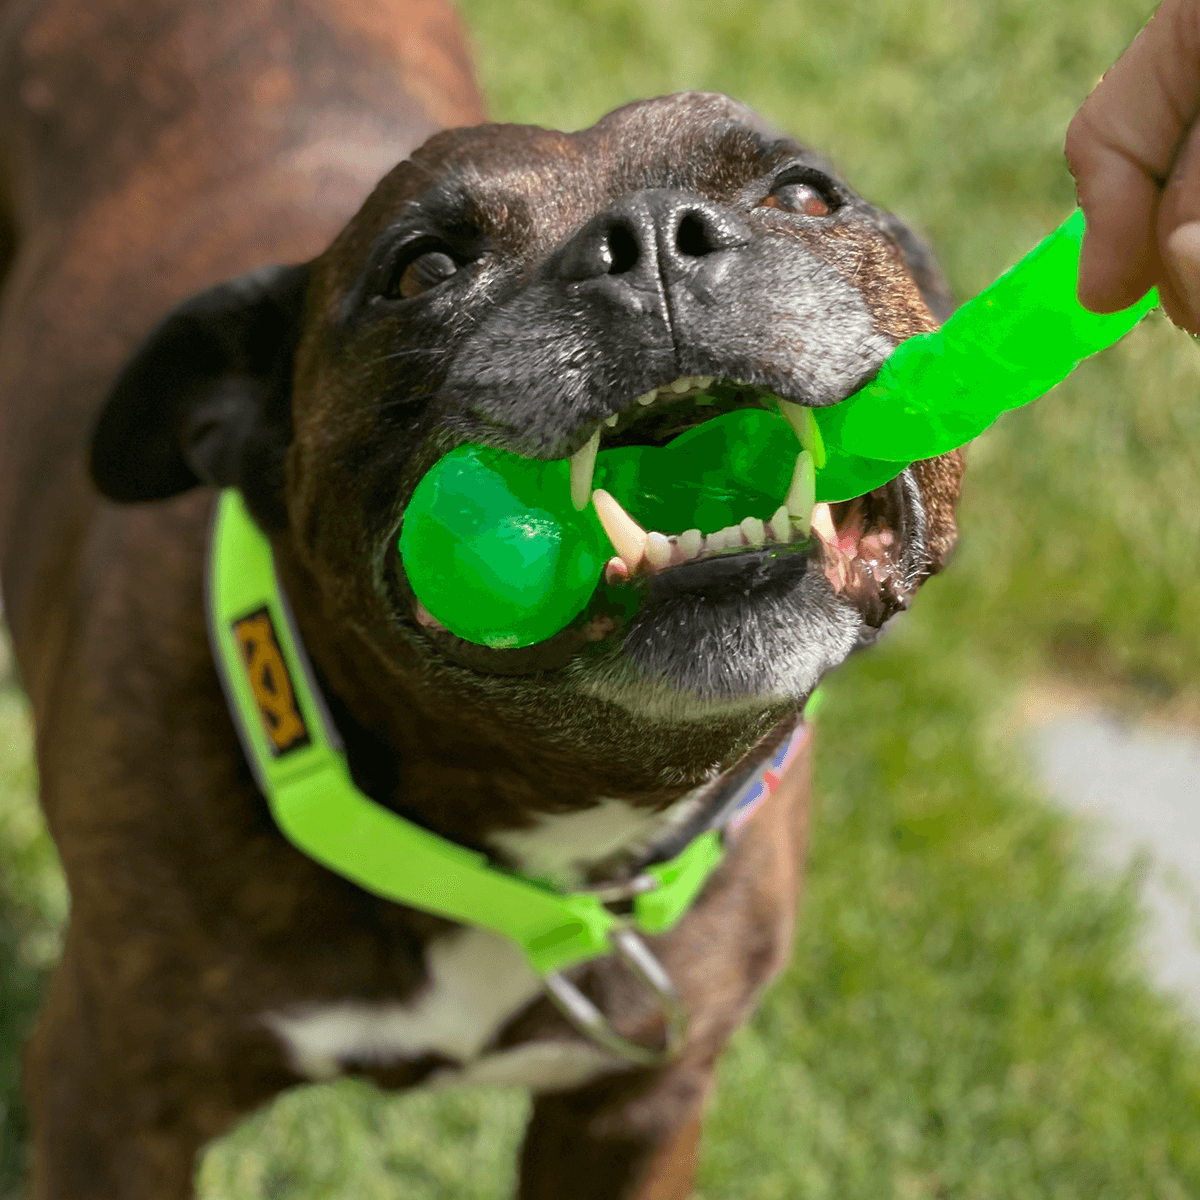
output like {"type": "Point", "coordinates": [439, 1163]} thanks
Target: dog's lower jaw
{"type": "Point", "coordinates": [730, 634]}
{"type": "Point", "coordinates": [762, 657]}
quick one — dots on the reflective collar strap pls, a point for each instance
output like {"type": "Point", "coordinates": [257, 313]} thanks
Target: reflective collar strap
{"type": "Point", "coordinates": [297, 759]}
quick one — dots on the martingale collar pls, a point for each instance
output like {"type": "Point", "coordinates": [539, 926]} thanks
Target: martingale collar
{"type": "Point", "coordinates": [296, 755]}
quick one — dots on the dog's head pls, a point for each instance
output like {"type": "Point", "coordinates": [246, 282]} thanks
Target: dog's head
{"type": "Point", "coordinates": [522, 288]}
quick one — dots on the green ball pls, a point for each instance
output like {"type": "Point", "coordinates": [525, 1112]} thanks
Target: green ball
{"type": "Point", "coordinates": [494, 548]}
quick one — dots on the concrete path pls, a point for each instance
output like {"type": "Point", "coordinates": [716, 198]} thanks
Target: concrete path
{"type": "Point", "coordinates": [1137, 788]}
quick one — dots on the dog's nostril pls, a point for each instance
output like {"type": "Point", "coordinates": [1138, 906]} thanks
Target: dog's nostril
{"type": "Point", "coordinates": [622, 250]}
{"type": "Point", "coordinates": [693, 237]}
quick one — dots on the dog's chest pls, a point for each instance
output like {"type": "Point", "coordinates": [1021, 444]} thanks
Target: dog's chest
{"type": "Point", "coordinates": [477, 981]}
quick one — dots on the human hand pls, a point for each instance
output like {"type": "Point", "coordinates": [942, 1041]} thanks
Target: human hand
{"type": "Point", "coordinates": [1134, 149]}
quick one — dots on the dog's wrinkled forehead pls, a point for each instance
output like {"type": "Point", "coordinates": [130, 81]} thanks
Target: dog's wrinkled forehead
{"type": "Point", "coordinates": [525, 189]}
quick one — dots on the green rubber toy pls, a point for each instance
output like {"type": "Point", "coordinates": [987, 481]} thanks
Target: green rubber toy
{"type": "Point", "coordinates": [494, 548]}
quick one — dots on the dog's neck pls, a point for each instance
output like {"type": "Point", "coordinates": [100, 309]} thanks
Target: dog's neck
{"type": "Point", "coordinates": [426, 742]}
{"type": "Point", "coordinates": [600, 839]}
{"type": "Point", "coordinates": [535, 816]}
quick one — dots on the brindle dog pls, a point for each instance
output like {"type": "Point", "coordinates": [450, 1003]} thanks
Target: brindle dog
{"type": "Point", "coordinates": [502, 284]}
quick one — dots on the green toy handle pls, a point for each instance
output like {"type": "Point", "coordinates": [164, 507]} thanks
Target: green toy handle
{"type": "Point", "coordinates": [1009, 345]}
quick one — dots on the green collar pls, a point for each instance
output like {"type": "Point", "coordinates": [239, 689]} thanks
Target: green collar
{"type": "Point", "coordinates": [296, 756]}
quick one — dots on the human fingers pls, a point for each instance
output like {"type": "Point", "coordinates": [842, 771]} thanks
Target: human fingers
{"type": "Point", "coordinates": [1121, 147]}
{"type": "Point", "coordinates": [1179, 237]}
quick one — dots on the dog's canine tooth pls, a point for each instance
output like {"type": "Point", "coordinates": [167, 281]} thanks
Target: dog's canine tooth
{"type": "Point", "coordinates": [822, 524]}
{"type": "Point", "coordinates": [690, 542]}
{"type": "Point", "coordinates": [795, 414]}
{"type": "Point", "coordinates": [779, 527]}
{"type": "Point", "coordinates": [753, 531]}
{"type": "Point", "coordinates": [648, 398]}
{"type": "Point", "coordinates": [811, 440]}
{"type": "Point", "coordinates": [801, 419]}
{"type": "Point", "coordinates": [658, 549]}
{"type": "Point", "coordinates": [802, 493]}
{"type": "Point", "coordinates": [627, 536]}
{"type": "Point", "coordinates": [583, 466]}
{"type": "Point", "coordinates": [612, 421]}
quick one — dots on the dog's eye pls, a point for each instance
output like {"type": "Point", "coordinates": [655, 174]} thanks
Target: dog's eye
{"type": "Point", "coordinates": [799, 198]}
{"type": "Point", "coordinates": [419, 272]}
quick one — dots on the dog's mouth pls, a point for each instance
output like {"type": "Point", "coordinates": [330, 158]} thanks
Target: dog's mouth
{"type": "Point", "coordinates": [858, 540]}
{"type": "Point", "coordinates": [706, 489]}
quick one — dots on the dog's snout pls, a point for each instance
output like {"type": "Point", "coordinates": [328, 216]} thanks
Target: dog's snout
{"type": "Point", "coordinates": [654, 233]}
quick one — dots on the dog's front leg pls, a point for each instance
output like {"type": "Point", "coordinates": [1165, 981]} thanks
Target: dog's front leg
{"type": "Point", "coordinates": [628, 1137]}
{"type": "Point", "coordinates": [122, 1103]}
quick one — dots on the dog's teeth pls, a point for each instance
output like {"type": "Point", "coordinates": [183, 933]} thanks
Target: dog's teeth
{"type": "Point", "coordinates": [683, 384]}
{"type": "Point", "coordinates": [808, 432]}
{"type": "Point", "coordinates": [615, 572]}
{"type": "Point", "coordinates": [690, 542]}
{"type": "Point", "coordinates": [795, 414]}
{"type": "Point", "coordinates": [753, 531]}
{"type": "Point", "coordinates": [648, 398]}
{"type": "Point", "coordinates": [612, 421]}
{"type": "Point", "coordinates": [658, 549]}
{"type": "Point", "coordinates": [822, 524]}
{"type": "Point", "coordinates": [811, 438]}
{"type": "Point", "coordinates": [704, 382]}
{"type": "Point", "coordinates": [627, 536]}
{"type": "Point", "coordinates": [803, 491]}
{"type": "Point", "coordinates": [725, 539]}
{"type": "Point", "coordinates": [779, 527]}
{"type": "Point", "coordinates": [583, 466]}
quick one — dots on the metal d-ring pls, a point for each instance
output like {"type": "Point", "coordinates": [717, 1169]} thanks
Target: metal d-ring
{"type": "Point", "coordinates": [593, 1024]}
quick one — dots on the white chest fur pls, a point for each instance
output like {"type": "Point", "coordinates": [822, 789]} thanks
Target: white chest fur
{"type": "Point", "coordinates": [478, 981]}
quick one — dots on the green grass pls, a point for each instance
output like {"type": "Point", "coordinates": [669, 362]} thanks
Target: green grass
{"type": "Point", "coordinates": [965, 1015]}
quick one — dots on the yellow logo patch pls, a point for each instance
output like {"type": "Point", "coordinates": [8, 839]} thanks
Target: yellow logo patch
{"type": "Point", "coordinates": [271, 682]}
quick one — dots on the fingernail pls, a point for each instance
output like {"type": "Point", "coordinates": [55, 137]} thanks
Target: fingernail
{"type": "Point", "coordinates": [1183, 258]}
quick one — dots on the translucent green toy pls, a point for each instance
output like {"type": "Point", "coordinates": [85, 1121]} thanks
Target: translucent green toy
{"type": "Point", "coordinates": [496, 550]}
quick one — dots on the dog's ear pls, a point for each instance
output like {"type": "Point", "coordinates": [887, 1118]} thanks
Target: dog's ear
{"type": "Point", "coordinates": [922, 265]}
{"type": "Point", "coordinates": [206, 399]}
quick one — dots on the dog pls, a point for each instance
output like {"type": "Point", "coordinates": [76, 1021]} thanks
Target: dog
{"type": "Point", "coordinates": [218, 277]}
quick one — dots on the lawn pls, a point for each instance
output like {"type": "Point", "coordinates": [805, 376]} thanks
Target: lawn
{"type": "Point", "coordinates": [965, 1014]}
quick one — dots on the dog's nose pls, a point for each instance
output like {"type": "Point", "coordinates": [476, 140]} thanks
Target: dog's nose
{"type": "Point", "coordinates": [657, 232]}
